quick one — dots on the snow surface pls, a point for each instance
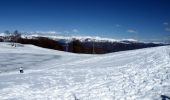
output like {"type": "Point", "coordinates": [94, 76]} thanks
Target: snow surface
{"type": "Point", "coordinates": [142, 74]}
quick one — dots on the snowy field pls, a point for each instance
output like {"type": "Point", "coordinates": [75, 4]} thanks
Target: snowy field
{"type": "Point", "coordinates": [54, 75]}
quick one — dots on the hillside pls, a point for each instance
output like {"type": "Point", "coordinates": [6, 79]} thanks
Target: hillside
{"type": "Point", "coordinates": [142, 74]}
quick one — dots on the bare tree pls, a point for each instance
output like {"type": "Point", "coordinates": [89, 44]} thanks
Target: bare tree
{"type": "Point", "coordinates": [7, 32]}
{"type": "Point", "coordinates": [16, 35]}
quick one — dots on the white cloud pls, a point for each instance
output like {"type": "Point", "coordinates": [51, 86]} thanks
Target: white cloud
{"type": "Point", "coordinates": [165, 23]}
{"type": "Point", "coordinates": [47, 32]}
{"type": "Point", "coordinates": [167, 29]}
{"type": "Point", "coordinates": [75, 30]}
{"type": "Point", "coordinates": [132, 31]}
{"type": "Point", "coordinates": [53, 32]}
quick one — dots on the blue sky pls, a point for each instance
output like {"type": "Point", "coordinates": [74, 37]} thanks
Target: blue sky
{"type": "Point", "coordinates": [140, 19]}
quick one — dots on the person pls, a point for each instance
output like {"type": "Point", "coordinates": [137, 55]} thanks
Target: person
{"type": "Point", "coordinates": [21, 70]}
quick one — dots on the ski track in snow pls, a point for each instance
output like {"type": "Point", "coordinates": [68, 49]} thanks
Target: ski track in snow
{"type": "Point", "coordinates": [53, 75]}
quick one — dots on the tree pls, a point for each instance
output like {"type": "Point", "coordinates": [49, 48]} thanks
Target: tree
{"type": "Point", "coordinates": [16, 35]}
{"type": "Point", "coordinates": [7, 37]}
{"type": "Point", "coordinates": [7, 33]}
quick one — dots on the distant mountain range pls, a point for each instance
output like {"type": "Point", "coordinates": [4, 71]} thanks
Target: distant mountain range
{"type": "Point", "coordinates": [83, 44]}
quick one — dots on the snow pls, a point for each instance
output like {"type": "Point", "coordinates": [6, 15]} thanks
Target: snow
{"type": "Point", "coordinates": [2, 34]}
{"type": "Point", "coordinates": [142, 74]}
{"type": "Point", "coordinates": [80, 38]}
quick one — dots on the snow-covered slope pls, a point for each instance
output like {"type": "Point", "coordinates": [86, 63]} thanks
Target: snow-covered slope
{"type": "Point", "coordinates": [54, 75]}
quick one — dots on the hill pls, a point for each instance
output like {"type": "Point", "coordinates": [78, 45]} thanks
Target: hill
{"type": "Point", "coordinates": [142, 74]}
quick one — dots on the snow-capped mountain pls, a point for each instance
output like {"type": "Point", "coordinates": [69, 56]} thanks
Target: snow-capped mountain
{"type": "Point", "coordinates": [142, 74]}
{"type": "Point", "coordinates": [80, 38]}
{"type": "Point", "coordinates": [81, 44]}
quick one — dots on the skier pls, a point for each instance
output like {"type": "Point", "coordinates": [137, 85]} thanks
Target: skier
{"type": "Point", "coordinates": [21, 70]}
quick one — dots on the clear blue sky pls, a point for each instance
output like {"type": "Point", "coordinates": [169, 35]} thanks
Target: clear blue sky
{"type": "Point", "coordinates": [142, 19]}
